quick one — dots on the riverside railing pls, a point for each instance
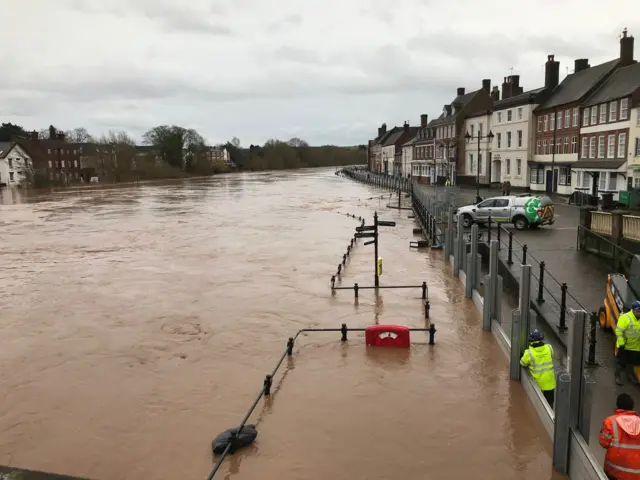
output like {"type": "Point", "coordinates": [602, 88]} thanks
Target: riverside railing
{"type": "Point", "coordinates": [390, 182]}
{"type": "Point", "coordinates": [568, 422]}
{"type": "Point", "coordinates": [268, 379]}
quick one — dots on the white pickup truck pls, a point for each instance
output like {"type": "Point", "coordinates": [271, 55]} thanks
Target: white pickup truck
{"type": "Point", "coordinates": [522, 211]}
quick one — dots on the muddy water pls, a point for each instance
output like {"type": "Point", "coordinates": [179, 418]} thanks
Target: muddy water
{"type": "Point", "coordinates": [138, 322]}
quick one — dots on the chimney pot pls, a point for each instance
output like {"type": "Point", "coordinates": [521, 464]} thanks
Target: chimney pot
{"type": "Point", "coordinates": [551, 72]}
{"type": "Point", "coordinates": [581, 64]}
{"type": "Point", "coordinates": [406, 126]}
{"type": "Point", "coordinates": [460, 91]}
{"type": "Point", "coordinates": [424, 120]}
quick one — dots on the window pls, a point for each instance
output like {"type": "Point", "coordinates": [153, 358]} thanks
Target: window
{"type": "Point", "coordinates": [519, 113]}
{"type": "Point", "coordinates": [10, 160]}
{"type": "Point", "coordinates": [566, 145]}
{"type": "Point", "coordinates": [622, 145]}
{"type": "Point", "coordinates": [509, 115]}
{"type": "Point", "coordinates": [540, 123]}
{"type": "Point", "coordinates": [638, 116]}
{"type": "Point", "coordinates": [574, 144]}
{"type": "Point", "coordinates": [585, 148]}
{"type": "Point", "coordinates": [613, 111]}
{"type": "Point", "coordinates": [611, 153]}
{"type": "Point", "coordinates": [518, 167]}
{"type": "Point", "coordinates": [603, 113]}
{"type": "Point", "coordinates": [507, 163]}
{"type": "Point", "coordinates": [559, 120]}
{"type": "Point", "coordinates": [551, 146]}
{"type": "Point", "coordinates": [62, 163]}
{"type": "Point", "coordinates": [487, 203]}
{"type": "Point", "coordinates": [564, 176]}
{"type": "Point", "coordinates": [50, 164]}
{"type": "Point", "coordinates": [637, 147]}
{"type": "Point", "coordinates": [546, 122]}
{"type": "Point", "coordinates": [585, 117]}
{"type": "Point", "coordinates": [636, 179]}
{"type": "Point", "coordinates": [576, 115]}
{"type": "Point", "coordinates": [552, 122]}
{"type": "Point", "coordinates": [624, 109]}
{"type": "Point", "coordinates": [471, 169]}
{"type": "Point", "coordinates": [601, 147]}
{"type": "Point", "coordinates": [501, 203]}
{"type": "Point", "coordinates": [11, 176]}
{"type": "Point", "coordinates": [580, 179]}
{"type": "Point", "coordinates": [538, 147]}
{"type": "Point", "coordinates": [480, 162]}
{"type": "Point", "coordinates": [558, 146]}
{"type": "Point", "coordinates": [480, 129]}
{"type": "Point", "coordinates": [519, 138]}
{"type": "Point", "coordinates": [613, 181]}
{"type": "Point", "coordinates": [499, 139]}
{"type": "Point", "coordinates": [533, 175]}
{"type": "Point", "coordinates": [592, 147]}
{"type": "Point", "coordinates": [544, 147]}
{"type": "Point", "coordinates": [567, 118]}
{"type": "Point", "coordinates": [602, 184]}
{"type": "Point", "coordinates": [49, 151]}
{"type": "Point", "coordinates": [499, 117]}
{"type": "Point", "coordinates": [508, 139]}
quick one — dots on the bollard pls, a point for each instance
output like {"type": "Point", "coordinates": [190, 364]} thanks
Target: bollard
{"type": "Point", "coordinates": [344, 259]}
{"type": "Point", "coordinates": [343, 330]}
{"type": "Point", "coordinates": [490, 290]}
{"type": "Point", "coordinates": [427, 307]}
{"type": "Point", "coordinates": [333, 282]}
{"type": "Point", "coordinates": [541, 283]}
{"type": "Point", "coordinates": [355, 289]}
{"type": "Point", "coordinates": [591, 357]}
{"type": "Point", "coordinates": [290, 346]}
{"type": "Point", "coordinates": [562, 326]}
{"type": "Point", "coordinates": [472, 272]}
{"type": "Point", "coordinates": [510, 255]}
{"type": "Point", "coordinates": [424, 290]}
{"type": "Point", "coordinates": [524, 303]}
{"type": "Point", "coordinates": [339, 268]}
{"type": "Point", "coordinates": [489, 229]}
{"type": "Point", "coordinates": [432, 334]}
{"type": "Point", "coordinates": [267, 384]}
{"type": "Point", "coordinates": [351, 244]}
{"type": "Point", "coordinates": [524, 254]}
{"type": "Point", "coordinates": [499, 230]}
{"type": "Point", "coordinates": [348, 250]}
{"type": "Point", "coordinates": [562, 427]}
{"type": "Point", "coordinates": [516, 333]}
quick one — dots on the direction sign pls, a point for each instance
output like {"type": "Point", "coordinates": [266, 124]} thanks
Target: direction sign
{"type": "Point", "coordinates": [365, 228]}
{"type": "Point", "coordinates": [370, 242]}
{"type": "Point", "coordinates": [386, 224]}
{"type": "Point", "coordinates": [365, 235]}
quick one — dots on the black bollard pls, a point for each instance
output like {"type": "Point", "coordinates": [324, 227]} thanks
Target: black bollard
{"type": "Point", "coordinates": [562, 326]}
{"type": "Point", "coordinates": [333, 282]}
{"type": "Point", "coordinates": [424, 290]}
{"type": "Point", "coordinates": [432, 334]}
{"type": "Point", "coordinates": [343, 330]}
{"type": "Point", "coordinates": [351, 244]}
{"type": "Point", "coordinates": [348, 250]}
{"type": "Point", "coordinates": [499, 230]}
{"type": "Point", "coordinates": [541, 283]}
{"type": "Point", "coordinates": [267, 384]}
{"type": "Point", "coordinates": [355, 289]}
{"type": "Point", "coordinates": [510, 255]}
{"type": "Point", "coordinates": [427, 307]}
{"type": "Point", "coordinates": [344, 259]}
{"type": "Point", "coordinates": [339, 268]}
{"type": "Point", "coordinates": [290, 346]}
{"type": "Point", "coordinates": [489, 230]}
{"type": "Point", "coordinates": [524, 254]}
{"type": "Point", "coordinates": [591, 356]}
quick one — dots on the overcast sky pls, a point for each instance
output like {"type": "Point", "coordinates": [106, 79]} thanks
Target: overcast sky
{"type": "Point", "coordinates": [327, 71]}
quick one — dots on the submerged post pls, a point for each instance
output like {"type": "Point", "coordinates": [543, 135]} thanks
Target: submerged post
{"type": "Point", "coordinates": [514, 361]}
{"type": "Point", "coordinates": [472, 262]}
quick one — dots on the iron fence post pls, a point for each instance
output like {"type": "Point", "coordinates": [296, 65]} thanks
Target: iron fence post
{"type": "Point", "coordinates": [499, 228]}
{"type": "Point", "coordinates": [510, 253]}
{"type": "Point", "coordinates": [489, 230]}
{"type": "Point", "coordinates": [541, 283]}
{"type": "Point", "coordinates": [524, 254]}
{"type": "Point", "coordinates": [591, 357]}
{"type": "Point", "coordinates": [562, 326]}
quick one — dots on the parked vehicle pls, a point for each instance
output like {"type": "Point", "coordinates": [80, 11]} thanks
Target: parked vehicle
{"type": "Point", "coordinates": [521, 211]}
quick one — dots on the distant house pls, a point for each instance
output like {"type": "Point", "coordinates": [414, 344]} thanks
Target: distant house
{"type": "Point", "coordinates": [406, 134]}
{"type": "Point", "coordinates": [423, 166]}
{"type": "Point", "coordinates": [56, 160]}
{"type": "Point", "coordinates": [15, 165]}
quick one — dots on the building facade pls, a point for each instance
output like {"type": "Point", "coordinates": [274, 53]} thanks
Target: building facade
{"type": "Point", "coordinates": [633, 179]}
{"type": "Point", "coordinates": [15, 165]}
{"type": "Point", "coordinates": [478, 147]}
{"type": "Point", "coordinates": [423, 167]}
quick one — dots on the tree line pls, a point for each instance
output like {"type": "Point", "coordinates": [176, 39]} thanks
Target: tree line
{"type": "Point", "coordinates": [171, 150]}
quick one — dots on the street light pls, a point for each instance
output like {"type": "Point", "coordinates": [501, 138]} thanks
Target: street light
{"type": "Point", "coordinates": [489, 136]}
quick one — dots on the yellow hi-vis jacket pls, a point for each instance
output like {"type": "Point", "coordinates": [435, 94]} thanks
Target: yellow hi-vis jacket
{"type": "Point", "coordinates": [628, 331]}
{"type": "Point", "coordinates": [539, 360]}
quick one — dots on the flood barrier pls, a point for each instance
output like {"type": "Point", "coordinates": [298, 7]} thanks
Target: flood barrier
{"type": "Point", "coordinates": [288, 352]}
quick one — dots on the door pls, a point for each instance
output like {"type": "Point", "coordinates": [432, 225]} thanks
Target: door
{"type": "Point", "coordinates": [549, 181]}
{"type": "Point", "coordinates": [484, 210]}
{"type": "Point", "coordinates": [555, 180]}
{"type": "Point", "coordinates": [500, 211]}
{"type": "Point", "coordinates": [497, 171]}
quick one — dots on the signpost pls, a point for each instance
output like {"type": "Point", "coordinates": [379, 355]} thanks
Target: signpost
{"type": "Point", "coordinates": [371, 231]}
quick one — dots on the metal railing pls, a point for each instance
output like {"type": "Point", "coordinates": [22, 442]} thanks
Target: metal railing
{"type": "Point", "coordinates": [268, 380]}
{"type": "Point", "coordinates": [631, 227]}
{"type": "Point", "coordinates": [602, 222]}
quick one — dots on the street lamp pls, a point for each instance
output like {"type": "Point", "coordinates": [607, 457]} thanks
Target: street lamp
{"type": "Point", "coordinates": [489, 136]}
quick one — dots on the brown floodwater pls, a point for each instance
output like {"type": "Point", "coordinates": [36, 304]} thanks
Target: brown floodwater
{"type": "Point", "coordinates": [138, 322]}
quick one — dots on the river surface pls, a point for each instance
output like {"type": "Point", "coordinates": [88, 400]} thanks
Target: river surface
{"type": "Point", "coordinates": [138, 322]}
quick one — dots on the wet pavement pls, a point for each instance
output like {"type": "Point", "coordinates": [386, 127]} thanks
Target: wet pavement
{"type": "Point", "coordinates": [138, 322]}
{"type": "Point", "coordinates": [586, 277]}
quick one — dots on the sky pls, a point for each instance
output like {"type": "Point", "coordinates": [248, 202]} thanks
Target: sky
{"type": "Point", "coordinates": [326, 71]}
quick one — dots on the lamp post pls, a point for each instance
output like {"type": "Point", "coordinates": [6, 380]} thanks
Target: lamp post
{"type": "Point", "coordinates": [468, 137]}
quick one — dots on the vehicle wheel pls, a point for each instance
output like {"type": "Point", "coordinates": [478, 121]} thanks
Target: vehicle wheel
{"type": "Point", "coordinates": [520, 223]}
{"type": "Point", "coordinates": [602, 319]}
{"type": "Point", "coordinates": [466, 220]}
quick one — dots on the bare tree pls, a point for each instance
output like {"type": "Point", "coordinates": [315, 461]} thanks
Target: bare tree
{"type": "Point", "coordinates": [79, 135]}
{"type": "Point", "coordinates": [235, 141]}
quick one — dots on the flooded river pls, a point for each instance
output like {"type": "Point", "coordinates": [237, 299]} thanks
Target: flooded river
{"type": "Point", "coordinates": [138, 322]}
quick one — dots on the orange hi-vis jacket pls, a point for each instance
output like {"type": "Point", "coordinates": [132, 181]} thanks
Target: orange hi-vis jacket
{"type": "Point", "coordinates": [620, 435]}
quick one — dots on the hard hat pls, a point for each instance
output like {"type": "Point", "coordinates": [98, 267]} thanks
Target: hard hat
{"type": "Point", "coordinates": [635, 305]}
{"type": "Point", "coordinates": [536, 336]}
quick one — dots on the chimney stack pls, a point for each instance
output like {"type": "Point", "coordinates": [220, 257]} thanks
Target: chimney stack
{"type": "Point", "coordinates": [460, 91]}
{"type": "Point", "coordinates": [506, 88]}
{"type": "Point", "coordinates": [581, 64]}
{"type": "Point", "coordinates": [516, 89]}
{"type": "Point", "coordinates": [551, 72]}
{"type": "Point", "coordinates": [34, 135]}
{"type": "Point", "coordinates": [448, 110]}
{"type": "Point", "coordinates": [424, 120]}
{"type": "Point", "coordinates": [495, 93]}
{"type": "Point", "coordinates": [384, 128]}
{"type": "Point", "coordinates": [626, 49]}
{"type": "Point", "coordinates": [406, 126]}
{"type": "Point", "coordinates": [486, 85]}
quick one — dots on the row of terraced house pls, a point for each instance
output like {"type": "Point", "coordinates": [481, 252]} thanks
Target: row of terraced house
{"type": "Point", "coordinates": [581, 134]}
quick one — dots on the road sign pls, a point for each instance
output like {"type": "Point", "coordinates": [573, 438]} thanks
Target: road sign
{"type": "Point", "coordinates": [386, 224]}
{"type": "Point", "coordinates": [365, 228]}
{"type": "Point", "coordinates": [365, 235]}
{"type": "Point", "coordinates": [370, 242]}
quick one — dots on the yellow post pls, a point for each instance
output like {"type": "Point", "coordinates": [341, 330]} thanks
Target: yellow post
{"type": "Point", "coordinates": [379, 266]}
